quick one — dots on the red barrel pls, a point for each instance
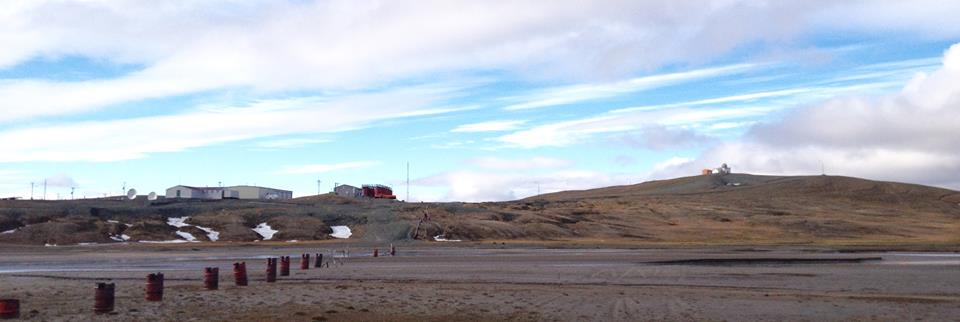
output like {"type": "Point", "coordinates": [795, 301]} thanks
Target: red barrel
{"type": "Point", "coordinates": [103, 298]}
{"type": "Point", "coordinates": [376, 252]}
{"type": "Point", "coordinates": [211, 278]}
{"type": "Point", "coordinates": [304, 261]}
{"type": "Point", "coordinates": [393, 250]}
{"type": "Point", "coordinates": [319, 260]}
{"type": "Point", "coordinates": [284, 265]}
{"type": "Point", "coordinates": [240, 273]}
{"type": "Point", "coordinates": [271, 270]}
{"type": "Point", "coordinates": [155, 287]}
{"type": "Point", "coordinates": [9, 309]}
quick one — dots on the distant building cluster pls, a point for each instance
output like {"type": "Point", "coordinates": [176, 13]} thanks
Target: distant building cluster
{"type": "Point", "coordinates": [722, 170]}
{"type": "Point", "coordinates": [232, 192]}
{"type": "Point", "coordinates": [376, 191]}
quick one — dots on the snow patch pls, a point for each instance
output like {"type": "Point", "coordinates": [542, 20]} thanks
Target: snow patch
{"type": "Point", "coordinates": [49, 245]}
{"type": "Point", "coordinates": [9, 231]}
{"type": "Point", "coordinates": [341, 232]}
{"type": "Point", "coordinates": [178, 221]}
{"type": "Point", "coordinates": [440, 238]}
{"type": "Point", "coordinates": [181, 222]}
{"type": "Point", "coordinates": [265, 231]}
{"type": "Point", "coordinates": [86, 244]}
{"type": "Point", "coordinates": [213, 235]}
{"type": "Point", "coordinates": [120, 238]}
{"type": "Point", "coordinates": [188, 236]}
{"type": "Point", "coordinates": [293, 241]}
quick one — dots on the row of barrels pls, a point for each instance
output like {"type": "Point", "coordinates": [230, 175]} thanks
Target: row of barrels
{"type": "Point", "coordinates": [104, 293]}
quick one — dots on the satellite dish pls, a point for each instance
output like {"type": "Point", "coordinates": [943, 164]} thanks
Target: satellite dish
{"type": "Point", "coordinates": [152, 196]}
{"type": "Point", "coordinates": [132, 194]}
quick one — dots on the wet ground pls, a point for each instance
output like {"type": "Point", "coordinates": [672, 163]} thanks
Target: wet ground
{"type": "Point", "coordinates": [470, 283]}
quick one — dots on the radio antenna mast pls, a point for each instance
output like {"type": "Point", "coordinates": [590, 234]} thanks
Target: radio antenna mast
{"type": "Point", "coordinates": [408, 182]}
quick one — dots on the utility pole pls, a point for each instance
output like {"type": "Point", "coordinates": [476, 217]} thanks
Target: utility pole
{"type": "Point", "coordinates": [124, 191]}
{"type": "Point", "coordinates": [538, 188]}
{"type": "Point", "coordinates": [44, 189]}
{"type": "Point", "coordinates": [408, 182]}
{"type": "Point", "coordinates": [31, 191]}
{"type": "Point", "coordinates": [71, 192]}
{"type": "Point", "coordinates": [318, 186]}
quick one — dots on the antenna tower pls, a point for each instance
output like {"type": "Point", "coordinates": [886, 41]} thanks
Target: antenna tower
{"type": "Point", "coordinates": [408, 183]}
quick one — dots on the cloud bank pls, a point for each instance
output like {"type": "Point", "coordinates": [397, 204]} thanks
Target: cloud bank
{"type": "Point", "coordinates": [912, 136]}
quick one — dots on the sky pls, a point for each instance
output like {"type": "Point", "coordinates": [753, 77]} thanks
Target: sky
{"type": "Point", "coordinates": [485, 100]}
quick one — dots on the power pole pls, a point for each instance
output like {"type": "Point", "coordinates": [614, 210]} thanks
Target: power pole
{"type": "Point", "coordinates": [318, 186]}
{"type": "Point", "coordinates": [71, 192]}
{"type": "Point", "coordinates": [408, 182]}
{"type": "Point", "coordinates": [44, 189]}
{"type": "Point", "coordinates": [31, 191]}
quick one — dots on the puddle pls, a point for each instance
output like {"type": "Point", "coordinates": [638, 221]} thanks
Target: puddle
{"type": "Point", "coordinates": [764, 261]}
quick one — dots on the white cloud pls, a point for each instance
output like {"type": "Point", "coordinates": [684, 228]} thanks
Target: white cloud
{"type": "Point", "coordinates": [910, 136]}
{"type": "Point", "coordinates": [585, 92]}
{"type": "Point", "coordinates": [475, 186]}
{"type": "Point", "coordinates": [494, 163]}
{"type": "Point", "coordinates": [289, 143]}
{"type": "Point", "coordinates": [60, 180]}
{"type": "Point", "coordinates": [577, 131]}
{"type": "Point", "coordinates": [491, 126]}
{"type": "Point", "coordinates": [276, 46]}
{"type": "Point", "coordinates": [134, 138]}
{"type": "Point", "coordinates": [672, 163]}
{"type": "Point", "coordinates": [323, 168]}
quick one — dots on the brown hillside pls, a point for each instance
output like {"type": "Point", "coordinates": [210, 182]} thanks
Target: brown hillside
{"type": "Point", "coordinates": [731, 209]}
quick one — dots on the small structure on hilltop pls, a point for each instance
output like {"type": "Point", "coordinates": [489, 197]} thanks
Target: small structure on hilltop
{"type": "Point", "coordinates": [348, 191]}
{"type": "Point", "coordinates": [378, 191]}
{"type": "Point", "coordinates": [723, 169]}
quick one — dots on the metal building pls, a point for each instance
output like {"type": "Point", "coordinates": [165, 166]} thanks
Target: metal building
{"type": "Point", "coordinates": [189, 192]}
{"type": "Point", "coordinates": [234, 192]}
{"type": "Point", "coordinates": [254, 192]}
{"type": "Point", "coordinates": [349, 191]}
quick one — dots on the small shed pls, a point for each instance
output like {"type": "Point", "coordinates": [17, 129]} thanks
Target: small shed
{"type": "Point", "coordinates": [349, 191]}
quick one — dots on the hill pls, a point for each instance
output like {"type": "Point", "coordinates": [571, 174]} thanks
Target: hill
{"type": "Point", "coordinates": [730, 209]}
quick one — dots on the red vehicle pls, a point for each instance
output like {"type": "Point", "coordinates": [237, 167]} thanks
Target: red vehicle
{"type": "Point", "coordinates": [378, 191]}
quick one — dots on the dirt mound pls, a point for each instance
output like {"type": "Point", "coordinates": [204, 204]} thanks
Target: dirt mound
{"type": "Point", "coordinates": [299, 228]}
{"type": "Point", "coordinates": [62, 231]}
{"type": "Point", "coordinates": [151, 230]}
{"type": "Point", "coordinates": [232, 226]}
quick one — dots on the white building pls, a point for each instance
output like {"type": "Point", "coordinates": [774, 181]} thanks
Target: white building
{"type": "Point", "coordinates": [188, 192]}
{"type": "Point", "coordinates": [234, 192]}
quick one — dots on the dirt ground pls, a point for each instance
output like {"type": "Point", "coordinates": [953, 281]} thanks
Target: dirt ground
{"type": "Point", "coordinates": [471, 282]}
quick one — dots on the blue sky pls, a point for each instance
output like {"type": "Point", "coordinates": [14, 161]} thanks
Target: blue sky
{"type": "Point", "coordinates": [484, 100]}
